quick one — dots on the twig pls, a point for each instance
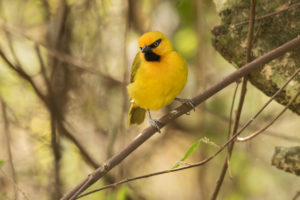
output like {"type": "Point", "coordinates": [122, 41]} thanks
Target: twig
{"type": "Point", "coordinates": [229, 124]}
{"type": "Point", "coordinates": [25, 76]}
{"type": "Point", "coordinates": [244, 139]}
{"type": "Point", "coordinates": [296, 196]}
{"type": "Point", "coordinates": [8, 37]}
{"type": "Point", "coordinates": [241, 101]}
{"type": "Point", "coordinates": [83, 152]}
{"type": "Point", "coordinates": [77, 63]}
{"type": "Point", "coordinates": [255, 127]}
{"type": "Point", "coordinates": [160, 172]}
{"type": "Point", "coordinates": [149, 131]}
{"type": "Point", "coordinates": [16, 185]}
{"type": "Point", "coordinates": [276, 93]}
{"type": "Point", "coordinates": [43, 68]}
{"type": "Point", "coordinates": [269, 14]}
{"type": "Point", "coordinates": [51, 106]}
{"type": "Point", "coordinates": [8, 147]}
{"type": "Point", "coordinates": [207, 159]}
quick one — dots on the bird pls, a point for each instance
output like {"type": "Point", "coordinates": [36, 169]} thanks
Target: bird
{"type": "Point", "coordinates": [158, 75]}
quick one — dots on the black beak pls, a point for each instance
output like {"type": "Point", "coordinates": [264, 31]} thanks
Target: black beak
{"type": "Point", "coordinates": [146, 49]}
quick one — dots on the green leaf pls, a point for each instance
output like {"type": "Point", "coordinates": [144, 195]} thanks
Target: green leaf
{"type": "Point", "coordinates": [1, 163]}
{"type": "Point", "coordinates": [207, 141]}
{"type": "Point", "coordinates": [176, 165]}
{"type": "Point", "coordinates": [191, 150]}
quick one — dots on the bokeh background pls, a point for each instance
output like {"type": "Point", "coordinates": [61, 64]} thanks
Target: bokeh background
{"type": "Point", "coordinates": [78, 54]}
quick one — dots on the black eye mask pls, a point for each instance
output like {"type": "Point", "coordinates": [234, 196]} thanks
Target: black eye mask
{"type": "Point", "coordinates": [149, 54]}
{"type": "Point", "coordinates": [155, 44]}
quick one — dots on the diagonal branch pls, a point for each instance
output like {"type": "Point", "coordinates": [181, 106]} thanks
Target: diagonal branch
{"type": "Point", "coordinates": [61, 56]}
{"type": "Point", "coordinates": [256, 133]}
{"type": "Point", "coordinates": [221, 148]}
{"type": "Point", "coordinates": [48, 102]}
{"type": "Point", "coordinates": [295, 5]}
{"type": "Point", "coordinates": [254, 127]}
{"type": "Point", "coordinates": [181, 110]}
{"type": "Point", "coordinates": [249, 137]}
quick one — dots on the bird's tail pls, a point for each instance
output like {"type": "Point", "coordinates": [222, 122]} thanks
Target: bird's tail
{"type": "Point", "coordinates": [136, 115]}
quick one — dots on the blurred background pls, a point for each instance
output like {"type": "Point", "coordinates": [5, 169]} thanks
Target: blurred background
{"type": "Point", "coordinates": [64, 105]}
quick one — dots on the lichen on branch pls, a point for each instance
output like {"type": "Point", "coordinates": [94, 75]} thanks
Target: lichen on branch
{"type": "Point", "coordinates": [229, 39]}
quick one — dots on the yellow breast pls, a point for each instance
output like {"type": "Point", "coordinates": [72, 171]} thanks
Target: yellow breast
{"type": "Point", "coordinates": [156, 84]}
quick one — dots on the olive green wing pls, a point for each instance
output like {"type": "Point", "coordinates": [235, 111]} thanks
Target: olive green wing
{"type": "Point", "coordinates": [135, 66]}
{"type": "Point", "coordinates": [136, 115]}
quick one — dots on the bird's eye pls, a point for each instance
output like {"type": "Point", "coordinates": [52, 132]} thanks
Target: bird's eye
{"type": "Point", "coordinates": [155, 44]}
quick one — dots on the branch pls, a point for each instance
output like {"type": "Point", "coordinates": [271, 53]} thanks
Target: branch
{"type": "Point", "coordinates": [255, 127]}
{"type": "Point", "coordinates": [85, 155]}
{"type": "Point", "coordinates": [241, 102]}
{"type": "Point", "coordinates": [256, 133]}
{"type": "Point", "coordinates": [211, 157]}
{"type": "Point", "coordinates": [181, 110]}
{"type": "Point", "coordinates": [8, 147]}
{"type": "Point", "coordinates": [52, 109]}
{"type": "Point", "coordinates": [270, 14]}
{"type": "Point", "coordinates": [61, 56]}
{"type": "Point", "coordinates": [296, 196]}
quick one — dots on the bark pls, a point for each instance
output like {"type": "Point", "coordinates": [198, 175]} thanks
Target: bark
{"type": "Point", "coordinates": [287, 159]}
{"type": "Point", "coordinates": [229, 39]}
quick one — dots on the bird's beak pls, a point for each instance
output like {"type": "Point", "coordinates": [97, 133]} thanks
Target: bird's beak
{"type": "Point", "coordinates": [146, 49]}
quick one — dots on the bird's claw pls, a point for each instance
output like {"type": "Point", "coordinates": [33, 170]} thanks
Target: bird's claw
{"type": "Point", "coordinates": [155, 124]}
{"type": "Point", "coordinates": [191, 103]}
{"type": "Point", "coordinates": [188, 102]}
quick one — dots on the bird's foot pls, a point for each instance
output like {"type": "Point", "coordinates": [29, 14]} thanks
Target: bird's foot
{"type": "Point", "coordinates": [155, 123]}
{"type": "Point", "coordinates": [187, 101]}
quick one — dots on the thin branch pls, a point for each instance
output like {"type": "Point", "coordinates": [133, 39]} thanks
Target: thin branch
{"type": "Point", "coordinates": [244, 139]}
{"type": "Point", "coordinates": [241, 101]}
{"type": "Point", "coordinates": [295, 5]}
{"type": "Point", "coordinates": [207, 159]}
{"type": "Point", "coordinates": [230, 123]}
{"type": "Point", "coordinates": [8, 147]}
{"type": "Point", "coordinates": [83, 152]}
{"type": "Point", "coordinates": [8, 37]}
{"type": "Point", "coordinates": [25, 76]}
{"type": "Point", "coordinates": [43, 67]}
{"type": "Point", "coordinates": [51, 106]}
{"type": "Point", "coordinates": [296, 196]}
{"type": "Point", "coordinates": [158, 173]}
{"type": "Point", "coordinates": [255, 127]}
{"type": "Point", "coordinates": [15, 184]}
{"type": "Point", "coordinates": [76, 63]}
{"type": "Point", "coordinates": [181, 110]}
{"type": "Point", "coordinates": [231, 109]}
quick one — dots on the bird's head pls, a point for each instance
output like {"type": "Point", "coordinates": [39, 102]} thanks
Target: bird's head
{"type": "Point", "coordinates": [154, 45]}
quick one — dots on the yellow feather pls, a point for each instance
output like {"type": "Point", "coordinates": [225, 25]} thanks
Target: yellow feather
{"type": "Point", "coordinates": [157, 83]}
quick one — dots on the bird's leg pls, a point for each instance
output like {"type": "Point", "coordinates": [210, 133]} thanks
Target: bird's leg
{"type": "Point", "coordinates": [186, 101]}
{"type": "Point", "coordinates": [153, 122]}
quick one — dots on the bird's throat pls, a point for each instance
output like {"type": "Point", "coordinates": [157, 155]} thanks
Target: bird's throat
{"type": "Point", "coordinates": [152, 57]}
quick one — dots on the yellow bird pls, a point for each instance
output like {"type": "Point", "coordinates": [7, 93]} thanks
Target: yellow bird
{"type": "Point", "coordinates": [158, 75]}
